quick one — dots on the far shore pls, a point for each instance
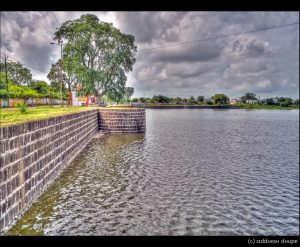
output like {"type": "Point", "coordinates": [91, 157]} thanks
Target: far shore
{"type": "Point", "coordinates": [241, 106]}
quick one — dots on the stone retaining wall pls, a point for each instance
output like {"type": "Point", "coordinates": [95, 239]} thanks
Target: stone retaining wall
{"type": "Point", "coordinates": [33, 154]}
{"type": "Point", "coordinates": [122, 120]}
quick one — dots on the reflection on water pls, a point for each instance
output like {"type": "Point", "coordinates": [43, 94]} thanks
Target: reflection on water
{"type": "Point", "coordinates": [194, 172]}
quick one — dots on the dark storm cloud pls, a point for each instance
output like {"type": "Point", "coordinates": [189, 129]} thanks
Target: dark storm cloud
{"type": "Point", "coordinates": [149, 27]}
{"type": "Point", "coordinates": [250, 62]}
{"type": "Point", "coordinates": [265, 62]}
{"type": "Point", "coordinates": [188, 53]}
{"type": "Point", "coordinates": [26, 37]}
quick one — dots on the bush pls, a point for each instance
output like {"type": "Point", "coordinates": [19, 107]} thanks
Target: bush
{"type": "Point", "coordinates": [135, 100]}
{"type": "Point", "coordinates": [3, 93]}
{"type": "Point", "coordinates": [285, 103]}
{"type": "Point", "coordinates": [23, 108]}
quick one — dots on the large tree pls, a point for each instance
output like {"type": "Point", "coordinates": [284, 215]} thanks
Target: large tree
{"type": "Point", "coordinates": [220, 99]}
{"type": "Point", "coordinates": [248, 96]}
{"type": "Point", "coordinates": [56, 74]}
{"type": "Point", "coordinates": [270, 101]}
{"type": "Point", "coordinates": [160, 99]}
{"type": "Point", "coordinates": [200, 99]}
{"type": "Point", "coordinates": [16, 72]}
{"type": "Point", "coordinates": [116, 95]}
{"type": "Point", "coordinates": [178, 100]}
{"type": "Point", "coordinates": [97, 53]}
{"type": "Point", "coordinates": [191, 100]}
{"type": "Point", "coordinates": [130, 92]}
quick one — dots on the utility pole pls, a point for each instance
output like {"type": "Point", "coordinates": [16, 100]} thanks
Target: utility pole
{"type": "Point", "coordinates": [61, 48]}
{"type": "Point", "coordinates": [5, 67]}
{"type": "Point", "coordinates": [61, 64]}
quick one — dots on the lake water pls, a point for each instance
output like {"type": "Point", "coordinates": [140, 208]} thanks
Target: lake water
{"type": "Point", "coordinates": [194, 172]}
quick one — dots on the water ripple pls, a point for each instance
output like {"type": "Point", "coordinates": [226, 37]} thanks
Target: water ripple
{"type": "Point", "coordinates": [200, 172]}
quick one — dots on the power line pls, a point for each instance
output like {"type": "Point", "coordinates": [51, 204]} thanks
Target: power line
{"type": "Point", "coordinates": [218, 37]}
{"type": "Point", "coordinates": [55, 18]}
{"type": "Point", "coordinates": [29, 66]}
{"type": "Point", "coordinates": [26, 65]}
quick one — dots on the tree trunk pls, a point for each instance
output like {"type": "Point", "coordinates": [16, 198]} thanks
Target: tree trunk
{"type": "Point", "coordinates": [87, 100]}
{"type": "Point", "coordinates": [70, 93]}
{"type": "Point", "coordinates": [97, 97]}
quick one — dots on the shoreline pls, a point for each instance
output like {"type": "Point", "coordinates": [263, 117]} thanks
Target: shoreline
{"type": "Point", "coordinates": [216, 107]}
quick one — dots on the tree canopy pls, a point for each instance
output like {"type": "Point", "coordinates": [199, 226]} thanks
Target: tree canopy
{"type": "Point", "coordinates": [41, 87]}
{"type": "Point", "coordinates": [160, 99]}
{"type": "Point", "coordinates": [191, 100]}
{"type": "Point", "coordinates": [220, 99]}
{"type": "Point", "coordinates": [56, 74]}
{"type": "Point", "coordinates": [129, 91]}
{"type": "Point", "coordinates": [248, 96]}
{"type": "Point", "coordinates": [200, 99]}
{"type": "Point", "coordinates": [97, 53]}
{"type": "Point", "coordinates": [16, 72]}
{"type": "Point", "coordinates": [285, 101]}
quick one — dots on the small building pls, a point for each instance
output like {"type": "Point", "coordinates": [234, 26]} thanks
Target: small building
{"type": "Point", "coordinates": [232, 102]}
{"type": "Point", "coordinates": [251, 101]}
{"type": "Point", "coordinates": [77, 100]}
{"type": "Point", "coordinates": [235, 101]}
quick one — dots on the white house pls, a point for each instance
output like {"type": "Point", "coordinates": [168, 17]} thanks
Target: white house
{"type": "Point", "coordinates": [251, 101]}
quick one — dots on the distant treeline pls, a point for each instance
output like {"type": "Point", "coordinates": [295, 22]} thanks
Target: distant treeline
{"type": "Point", "coordinates": [216, 99]}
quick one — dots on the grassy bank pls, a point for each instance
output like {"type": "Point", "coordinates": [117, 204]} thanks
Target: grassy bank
{"type": "Point", "coordinates": [13, 116]}
{"type": "Point", "coordinates": [168, 105]}
{"type": "Point", "coordinates": [255, 106]}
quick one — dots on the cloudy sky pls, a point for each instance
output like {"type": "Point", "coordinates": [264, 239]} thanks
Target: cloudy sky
{"type": "Point", "coordinates": [264, 62]}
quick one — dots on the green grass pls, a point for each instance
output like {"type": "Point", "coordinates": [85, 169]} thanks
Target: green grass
{"type": "Point", "coordinates": [166, 105]}
{"type": "Point", "coordinates": [13, 116]}
{"type": "Point", "coordinates": [256, 106]}
{"type": "Point", "coordinates": [120, 106]}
